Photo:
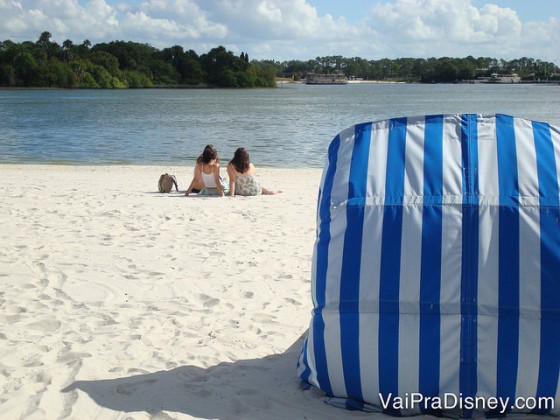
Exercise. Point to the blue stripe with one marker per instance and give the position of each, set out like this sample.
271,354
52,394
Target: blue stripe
351,260
549,362
323,242
305,361
430,268
391,261
305,348
508,278
469,259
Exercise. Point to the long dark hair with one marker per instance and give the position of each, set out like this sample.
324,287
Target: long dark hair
241,160
208,154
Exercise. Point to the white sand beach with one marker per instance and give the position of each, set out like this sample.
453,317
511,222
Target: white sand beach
119,302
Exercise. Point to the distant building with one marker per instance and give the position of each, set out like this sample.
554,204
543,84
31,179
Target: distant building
326,79
498,78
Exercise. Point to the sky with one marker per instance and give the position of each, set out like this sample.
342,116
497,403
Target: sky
284,30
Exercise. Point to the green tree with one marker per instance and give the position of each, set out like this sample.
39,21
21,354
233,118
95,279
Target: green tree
26,69
221,65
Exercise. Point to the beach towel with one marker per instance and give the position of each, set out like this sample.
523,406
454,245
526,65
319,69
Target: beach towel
436,268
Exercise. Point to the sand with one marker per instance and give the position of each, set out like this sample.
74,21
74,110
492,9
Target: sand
118,302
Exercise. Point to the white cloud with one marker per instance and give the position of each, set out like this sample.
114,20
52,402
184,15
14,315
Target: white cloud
289,29
456,28
64,19
448,20
166,23
277,20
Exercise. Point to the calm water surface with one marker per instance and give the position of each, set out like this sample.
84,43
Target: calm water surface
290,126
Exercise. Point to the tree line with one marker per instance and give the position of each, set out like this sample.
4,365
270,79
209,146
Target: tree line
121,64
430,70
126,64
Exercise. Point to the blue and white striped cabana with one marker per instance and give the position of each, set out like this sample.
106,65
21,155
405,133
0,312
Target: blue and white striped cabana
436,269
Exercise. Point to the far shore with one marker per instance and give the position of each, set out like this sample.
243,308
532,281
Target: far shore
283,81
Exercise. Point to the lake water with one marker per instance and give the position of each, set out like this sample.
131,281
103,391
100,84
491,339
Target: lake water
290,126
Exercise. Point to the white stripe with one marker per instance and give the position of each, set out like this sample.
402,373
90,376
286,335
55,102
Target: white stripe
414,161
411,250
452,164
340,187
338,225
488,258
450,294
555,135
409,298
370,266
314,274
377,165
529,260
311,359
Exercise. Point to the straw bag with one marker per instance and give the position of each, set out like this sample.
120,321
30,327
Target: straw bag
166,182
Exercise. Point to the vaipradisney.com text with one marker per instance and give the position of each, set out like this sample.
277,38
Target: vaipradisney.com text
451,401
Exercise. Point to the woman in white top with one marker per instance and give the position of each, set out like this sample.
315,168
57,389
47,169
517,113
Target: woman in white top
207,173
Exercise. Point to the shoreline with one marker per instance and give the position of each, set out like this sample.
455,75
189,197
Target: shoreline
187,166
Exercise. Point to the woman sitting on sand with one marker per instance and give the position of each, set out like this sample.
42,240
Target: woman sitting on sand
242,179
207,174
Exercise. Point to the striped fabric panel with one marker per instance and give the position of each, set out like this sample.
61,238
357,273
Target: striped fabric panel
508,282
436,260
529,268
370,263
469,263
314,349
488,258
389,282
430,265
410,266
548,169
451,258
333,278
555,137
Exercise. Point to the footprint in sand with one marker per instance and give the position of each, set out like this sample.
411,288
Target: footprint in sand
45,325
43,378
292,301
211,302
73,357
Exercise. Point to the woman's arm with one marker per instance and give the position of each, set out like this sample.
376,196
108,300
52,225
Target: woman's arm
196,178
217,180
231,175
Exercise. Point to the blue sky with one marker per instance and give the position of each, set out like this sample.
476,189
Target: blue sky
301,29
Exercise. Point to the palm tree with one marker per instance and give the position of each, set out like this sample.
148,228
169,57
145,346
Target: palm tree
67,47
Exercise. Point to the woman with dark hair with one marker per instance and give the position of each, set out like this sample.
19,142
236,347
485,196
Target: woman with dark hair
242,179
207,174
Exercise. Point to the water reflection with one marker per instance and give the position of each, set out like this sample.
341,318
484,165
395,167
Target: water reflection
289,126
